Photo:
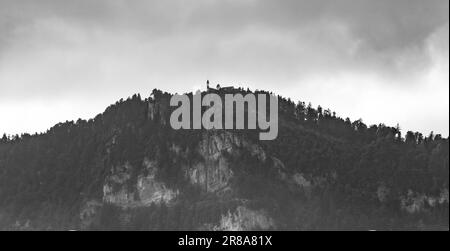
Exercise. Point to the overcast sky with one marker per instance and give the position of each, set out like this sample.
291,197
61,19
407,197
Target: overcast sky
385,61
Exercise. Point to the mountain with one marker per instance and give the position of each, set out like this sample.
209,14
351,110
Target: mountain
127,169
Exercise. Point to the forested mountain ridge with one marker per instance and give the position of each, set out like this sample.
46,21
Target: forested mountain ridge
127,169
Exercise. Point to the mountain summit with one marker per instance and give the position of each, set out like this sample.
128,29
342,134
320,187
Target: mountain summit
127,169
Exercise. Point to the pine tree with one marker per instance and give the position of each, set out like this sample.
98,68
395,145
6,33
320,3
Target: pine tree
4,139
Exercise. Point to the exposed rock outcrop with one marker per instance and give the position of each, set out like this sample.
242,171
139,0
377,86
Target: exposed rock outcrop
117,189
415,202
213,173
158,110
244,219
88,214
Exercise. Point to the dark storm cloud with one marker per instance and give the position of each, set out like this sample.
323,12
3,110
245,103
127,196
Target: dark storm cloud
382,29
382,24
383,36
58,50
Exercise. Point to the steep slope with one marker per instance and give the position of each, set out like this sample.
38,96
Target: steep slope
127,169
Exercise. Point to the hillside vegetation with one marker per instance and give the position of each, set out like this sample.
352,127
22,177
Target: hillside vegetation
126,169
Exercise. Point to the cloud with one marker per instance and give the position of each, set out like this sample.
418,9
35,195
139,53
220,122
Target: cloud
382,24
59,50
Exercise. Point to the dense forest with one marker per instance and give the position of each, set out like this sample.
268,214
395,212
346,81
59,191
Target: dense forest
353,176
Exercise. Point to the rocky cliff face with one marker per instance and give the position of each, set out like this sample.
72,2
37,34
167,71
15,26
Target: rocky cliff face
212,174
144,191
414,202
244,219
127,169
